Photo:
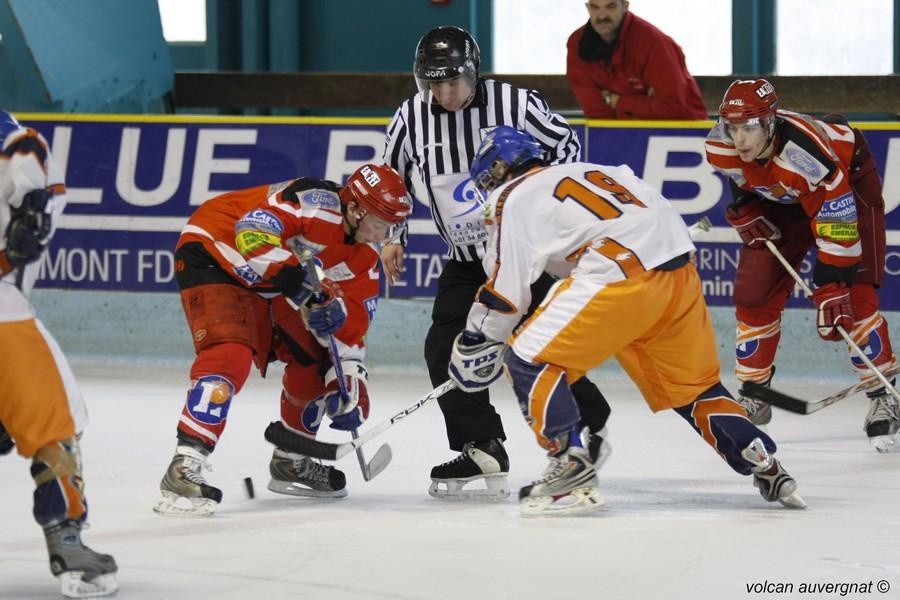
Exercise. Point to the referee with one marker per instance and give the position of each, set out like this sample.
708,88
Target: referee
437,132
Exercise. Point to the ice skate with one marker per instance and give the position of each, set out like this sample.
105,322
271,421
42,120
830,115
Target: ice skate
569,486
486,460
598,446
769,476
184,490
82,573
298,475
759,413
883,421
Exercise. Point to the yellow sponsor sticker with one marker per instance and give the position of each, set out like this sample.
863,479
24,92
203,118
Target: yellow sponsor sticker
839,232
248,241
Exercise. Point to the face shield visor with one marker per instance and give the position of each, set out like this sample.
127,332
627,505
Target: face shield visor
371,228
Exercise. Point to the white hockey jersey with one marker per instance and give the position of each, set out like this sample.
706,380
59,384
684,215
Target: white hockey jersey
579,220
25,165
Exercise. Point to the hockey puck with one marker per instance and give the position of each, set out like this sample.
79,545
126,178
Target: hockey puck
248,487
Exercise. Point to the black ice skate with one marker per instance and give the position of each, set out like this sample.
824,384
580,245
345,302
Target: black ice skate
759,413
82,573
597,444
883,421
569,486
298,475
184,490
485,460
769,476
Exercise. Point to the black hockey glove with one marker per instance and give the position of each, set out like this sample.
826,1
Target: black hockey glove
6,443
29,229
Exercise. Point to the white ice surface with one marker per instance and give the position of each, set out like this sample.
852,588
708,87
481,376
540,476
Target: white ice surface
678,522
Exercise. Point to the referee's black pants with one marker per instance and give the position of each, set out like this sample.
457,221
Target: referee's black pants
470,417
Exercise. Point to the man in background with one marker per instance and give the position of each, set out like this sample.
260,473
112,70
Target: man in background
622,67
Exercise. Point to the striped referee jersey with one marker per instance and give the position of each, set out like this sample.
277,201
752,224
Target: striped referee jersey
441,145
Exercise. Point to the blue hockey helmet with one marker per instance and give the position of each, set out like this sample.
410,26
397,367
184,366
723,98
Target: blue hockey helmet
502,151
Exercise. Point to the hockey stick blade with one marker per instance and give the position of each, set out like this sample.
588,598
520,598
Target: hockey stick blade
278,434
763,393
379,462
804,407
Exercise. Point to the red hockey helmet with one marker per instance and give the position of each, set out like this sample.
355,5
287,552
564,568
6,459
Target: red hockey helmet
380,191
748,99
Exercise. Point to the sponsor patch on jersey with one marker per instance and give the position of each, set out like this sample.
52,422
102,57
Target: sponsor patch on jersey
260,220
339,272
246,273
371,305
299,245
465,194
841,210
804,162
248,241
320,199
839,232
777,193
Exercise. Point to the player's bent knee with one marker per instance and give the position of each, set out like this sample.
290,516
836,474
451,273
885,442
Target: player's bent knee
58,495
209,399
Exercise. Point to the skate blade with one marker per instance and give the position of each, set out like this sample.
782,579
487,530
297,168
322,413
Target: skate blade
496,488
173,505
580,501
885,443
793,501
378,463
71,585
293,489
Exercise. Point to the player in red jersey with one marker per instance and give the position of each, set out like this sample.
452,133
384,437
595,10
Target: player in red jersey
250,297
803,182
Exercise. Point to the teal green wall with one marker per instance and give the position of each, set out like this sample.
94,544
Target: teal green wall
324,35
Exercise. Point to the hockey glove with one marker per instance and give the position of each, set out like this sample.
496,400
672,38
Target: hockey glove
29,229
750,222
476,361
327,312
834,308
6,443
347,414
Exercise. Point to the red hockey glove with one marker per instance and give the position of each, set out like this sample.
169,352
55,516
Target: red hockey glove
833,302
751,224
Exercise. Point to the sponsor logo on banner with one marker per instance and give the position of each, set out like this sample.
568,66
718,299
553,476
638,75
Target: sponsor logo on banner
131,185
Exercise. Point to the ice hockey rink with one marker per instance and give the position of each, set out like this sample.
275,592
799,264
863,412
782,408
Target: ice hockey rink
678,523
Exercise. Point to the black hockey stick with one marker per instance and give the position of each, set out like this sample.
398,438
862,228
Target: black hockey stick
757,391
278,434
843,333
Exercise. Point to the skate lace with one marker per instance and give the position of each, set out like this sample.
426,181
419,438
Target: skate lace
462,455
883,408
751,405
192,470
311,469
554,470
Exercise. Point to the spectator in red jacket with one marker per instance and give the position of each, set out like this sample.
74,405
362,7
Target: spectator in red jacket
622,67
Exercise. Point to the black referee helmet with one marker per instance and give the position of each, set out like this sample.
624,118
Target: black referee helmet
445,53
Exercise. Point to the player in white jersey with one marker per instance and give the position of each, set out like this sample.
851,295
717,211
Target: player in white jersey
627,289
41,410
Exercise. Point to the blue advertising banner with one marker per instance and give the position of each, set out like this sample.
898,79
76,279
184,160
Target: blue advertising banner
133,181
